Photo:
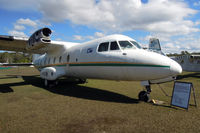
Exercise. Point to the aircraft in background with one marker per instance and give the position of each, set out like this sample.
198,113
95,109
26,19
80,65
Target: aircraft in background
189,62
114,57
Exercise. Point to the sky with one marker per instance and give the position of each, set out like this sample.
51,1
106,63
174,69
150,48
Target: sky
175,22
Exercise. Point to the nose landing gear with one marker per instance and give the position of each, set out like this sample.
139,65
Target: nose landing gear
49,83
145,95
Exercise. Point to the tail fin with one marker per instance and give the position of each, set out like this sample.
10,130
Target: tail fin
154,45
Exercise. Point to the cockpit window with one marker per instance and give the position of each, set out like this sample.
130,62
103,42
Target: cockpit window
126,45
114,46
136,44
103,47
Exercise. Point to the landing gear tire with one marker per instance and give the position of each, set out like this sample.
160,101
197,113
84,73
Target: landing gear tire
82,81
143,96
46,83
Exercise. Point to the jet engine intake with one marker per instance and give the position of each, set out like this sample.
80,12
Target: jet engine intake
39,39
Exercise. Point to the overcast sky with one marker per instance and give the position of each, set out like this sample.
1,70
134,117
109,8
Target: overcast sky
175,22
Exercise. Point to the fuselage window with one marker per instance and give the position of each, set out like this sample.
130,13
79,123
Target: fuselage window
68,58
49,60
54,60
125,45
60,59
136,44
103,47
114,46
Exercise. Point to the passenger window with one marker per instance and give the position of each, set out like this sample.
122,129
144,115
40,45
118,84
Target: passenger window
68,58
49,60
54,60
103,47
114,46
60,59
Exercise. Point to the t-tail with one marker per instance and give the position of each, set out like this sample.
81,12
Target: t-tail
154,45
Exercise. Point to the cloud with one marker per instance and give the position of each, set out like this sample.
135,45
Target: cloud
19,5
17,33
197,3
161,16
99,34
19,27
86,38
78,37
23,25
165,19
26,22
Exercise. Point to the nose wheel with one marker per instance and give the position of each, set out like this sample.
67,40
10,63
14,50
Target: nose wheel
145,95
49,83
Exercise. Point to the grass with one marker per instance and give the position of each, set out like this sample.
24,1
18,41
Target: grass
99,106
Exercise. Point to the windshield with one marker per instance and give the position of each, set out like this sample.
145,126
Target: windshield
136,44
126,45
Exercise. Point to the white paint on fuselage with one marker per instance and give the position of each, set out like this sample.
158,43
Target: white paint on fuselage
128,64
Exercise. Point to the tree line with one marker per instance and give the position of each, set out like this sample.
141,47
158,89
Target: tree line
18,57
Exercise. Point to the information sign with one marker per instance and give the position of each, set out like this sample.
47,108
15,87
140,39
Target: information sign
181,94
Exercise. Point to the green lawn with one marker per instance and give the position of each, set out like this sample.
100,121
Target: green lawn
99,106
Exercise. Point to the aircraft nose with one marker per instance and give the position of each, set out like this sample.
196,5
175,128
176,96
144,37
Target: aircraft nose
175,68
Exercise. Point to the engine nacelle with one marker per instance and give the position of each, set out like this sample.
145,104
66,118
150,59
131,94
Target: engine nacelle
39,39
51,73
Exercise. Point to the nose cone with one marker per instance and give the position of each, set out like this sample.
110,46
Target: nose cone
175,68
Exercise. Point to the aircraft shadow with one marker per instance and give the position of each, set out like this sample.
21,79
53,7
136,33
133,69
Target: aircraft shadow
75,90
5,89
8,77
194,75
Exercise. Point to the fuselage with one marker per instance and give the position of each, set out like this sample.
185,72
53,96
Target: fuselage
114,57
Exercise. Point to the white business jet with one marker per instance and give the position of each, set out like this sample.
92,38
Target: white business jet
114,57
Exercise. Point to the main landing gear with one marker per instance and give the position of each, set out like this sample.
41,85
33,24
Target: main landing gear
145,95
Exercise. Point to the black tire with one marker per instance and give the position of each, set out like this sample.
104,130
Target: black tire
143,96
82,81
46,83
49,83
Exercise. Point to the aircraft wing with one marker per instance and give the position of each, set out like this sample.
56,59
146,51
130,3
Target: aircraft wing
38,43
11,43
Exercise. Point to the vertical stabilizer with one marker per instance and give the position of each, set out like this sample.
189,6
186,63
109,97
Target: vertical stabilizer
154,45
